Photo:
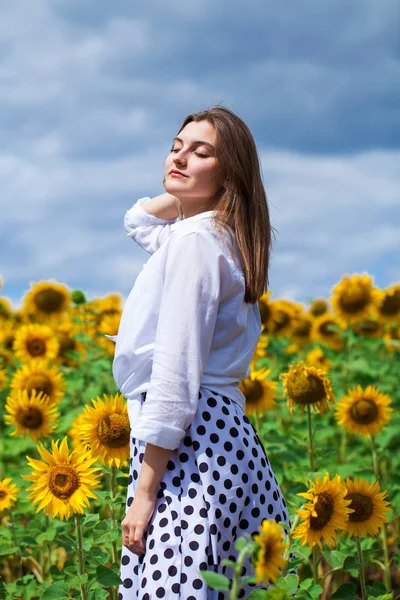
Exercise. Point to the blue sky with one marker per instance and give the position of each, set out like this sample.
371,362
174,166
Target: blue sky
92,93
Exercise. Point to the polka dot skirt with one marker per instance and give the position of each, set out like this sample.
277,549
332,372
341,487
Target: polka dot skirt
218,485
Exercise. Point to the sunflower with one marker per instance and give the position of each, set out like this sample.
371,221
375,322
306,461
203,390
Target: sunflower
305,386
364,411
75,432
33,342
37,375
301,330
282,319
108,325
260,350
62,481
368,505
7,358
316,358
326,329
318,307
65,331
267,311
7,335
369,328
8,493
106,428
355,297
389,304
47,300
260,392
3,379
31,414
269,552
391,338
110,305
326,511
6,308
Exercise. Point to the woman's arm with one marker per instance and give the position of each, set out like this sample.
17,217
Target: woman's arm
164,206
153,467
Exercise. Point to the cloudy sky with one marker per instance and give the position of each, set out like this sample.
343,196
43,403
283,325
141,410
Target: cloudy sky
92,93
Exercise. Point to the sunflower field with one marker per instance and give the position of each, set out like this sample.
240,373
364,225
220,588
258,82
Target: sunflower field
323,396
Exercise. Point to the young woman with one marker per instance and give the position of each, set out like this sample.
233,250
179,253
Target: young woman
199,475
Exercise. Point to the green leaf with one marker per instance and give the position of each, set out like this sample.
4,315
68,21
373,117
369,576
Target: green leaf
335,558
292,582
259,595
347,591
90,519
215,580
47,536
377,589
107,577
351,563
240,544
6,550
56,591
228,563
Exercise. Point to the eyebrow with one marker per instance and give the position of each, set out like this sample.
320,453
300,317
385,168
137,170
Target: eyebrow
197,143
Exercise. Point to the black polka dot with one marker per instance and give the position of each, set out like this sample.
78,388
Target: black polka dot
212,485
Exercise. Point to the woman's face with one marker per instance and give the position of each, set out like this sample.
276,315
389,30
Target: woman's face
193,154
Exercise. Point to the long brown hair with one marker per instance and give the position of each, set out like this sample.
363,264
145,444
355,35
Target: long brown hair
242,204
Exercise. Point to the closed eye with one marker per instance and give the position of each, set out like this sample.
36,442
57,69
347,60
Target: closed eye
198,153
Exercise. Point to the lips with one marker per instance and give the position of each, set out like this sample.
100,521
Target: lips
175,172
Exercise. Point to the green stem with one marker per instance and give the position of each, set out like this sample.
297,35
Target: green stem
257,420
114,550
361,570
375,460
113,492
49,547
315,557
387,577
343,446
235,581
81,557
15,542
289,544
310,439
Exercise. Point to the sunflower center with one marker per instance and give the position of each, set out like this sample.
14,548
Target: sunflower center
318,308
369,326
302,329
40,383
31,417
364,411
328,328
36,347
354,299
306,389
281,320
267,552
2,494
324,510
391,304
253,392
49,300
63,481
113,430
9,342
362,506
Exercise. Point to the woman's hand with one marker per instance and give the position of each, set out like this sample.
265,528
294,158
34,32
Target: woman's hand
136,521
